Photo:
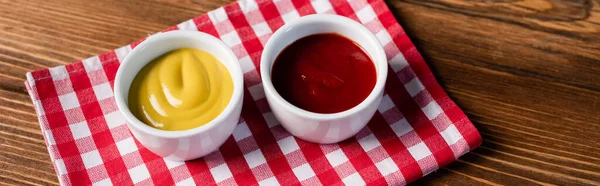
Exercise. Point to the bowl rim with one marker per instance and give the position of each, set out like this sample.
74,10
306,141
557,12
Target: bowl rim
234,69
379,59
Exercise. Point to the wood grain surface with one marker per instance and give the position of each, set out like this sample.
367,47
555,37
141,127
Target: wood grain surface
526,72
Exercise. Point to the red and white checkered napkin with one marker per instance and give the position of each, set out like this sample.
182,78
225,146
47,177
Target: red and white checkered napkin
417,129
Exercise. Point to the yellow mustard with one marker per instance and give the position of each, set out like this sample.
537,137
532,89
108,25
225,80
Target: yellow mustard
182,89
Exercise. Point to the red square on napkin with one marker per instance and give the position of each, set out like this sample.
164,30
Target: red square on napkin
416,130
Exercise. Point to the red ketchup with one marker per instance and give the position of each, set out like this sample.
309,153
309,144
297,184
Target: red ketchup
324,73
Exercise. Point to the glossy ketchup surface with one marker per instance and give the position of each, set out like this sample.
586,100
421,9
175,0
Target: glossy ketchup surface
324,73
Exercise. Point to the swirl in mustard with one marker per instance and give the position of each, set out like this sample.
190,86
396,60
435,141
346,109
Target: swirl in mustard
180,90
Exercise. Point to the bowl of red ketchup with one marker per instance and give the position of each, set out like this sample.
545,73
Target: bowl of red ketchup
323,77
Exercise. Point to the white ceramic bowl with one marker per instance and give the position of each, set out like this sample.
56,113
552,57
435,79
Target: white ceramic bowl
186,144
316,127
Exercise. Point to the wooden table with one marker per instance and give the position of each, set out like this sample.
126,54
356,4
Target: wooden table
526,72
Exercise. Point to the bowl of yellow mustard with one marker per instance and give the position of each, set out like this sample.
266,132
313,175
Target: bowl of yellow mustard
181,93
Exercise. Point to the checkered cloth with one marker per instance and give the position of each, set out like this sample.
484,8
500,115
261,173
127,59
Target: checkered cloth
416,130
